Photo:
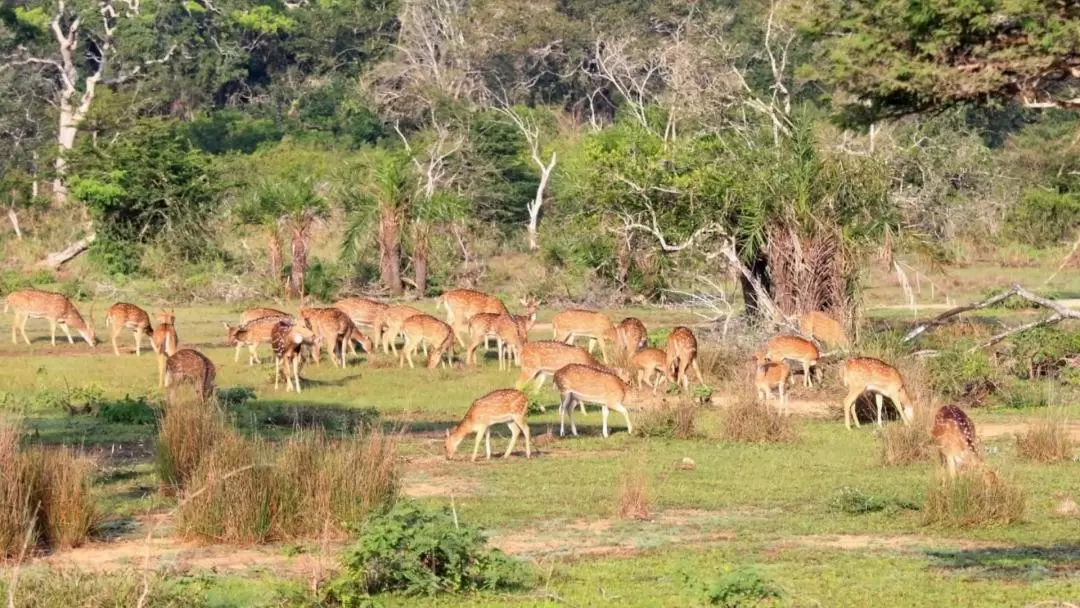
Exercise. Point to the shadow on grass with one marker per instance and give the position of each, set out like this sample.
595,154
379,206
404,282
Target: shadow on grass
1011,563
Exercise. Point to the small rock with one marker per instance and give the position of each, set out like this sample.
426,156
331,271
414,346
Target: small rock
687,464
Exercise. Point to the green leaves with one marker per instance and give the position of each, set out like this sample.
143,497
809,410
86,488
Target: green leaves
264,20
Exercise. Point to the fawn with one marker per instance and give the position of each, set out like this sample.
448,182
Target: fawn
507,406
798,349
650,364
769,375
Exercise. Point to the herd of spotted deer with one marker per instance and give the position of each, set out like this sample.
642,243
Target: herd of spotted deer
577,375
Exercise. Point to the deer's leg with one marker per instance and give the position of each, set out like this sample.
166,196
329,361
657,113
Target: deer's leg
567,400
296,372
487,441
806,373
524,426
783,399
277,371
476,446
604,417
514,430
849,408
619,407
603,349
67,332
878,399
113,333
697,370
138,343
253,354
573,427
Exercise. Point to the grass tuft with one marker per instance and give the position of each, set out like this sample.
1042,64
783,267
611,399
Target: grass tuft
903,444
634,491
188,430
973,498
748,421
1046,441
678,421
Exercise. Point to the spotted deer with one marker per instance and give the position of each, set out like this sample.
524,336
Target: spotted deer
864,374
544,357
580,383
288,339
631,335
681,351
570,324
252,334
524,321
650,364
164,339
769,375
388,325
954,434
121,316
254,314
822,327
191,367
426,328
794,348
507,406
510,332
333,327
463,304
56,308
362,311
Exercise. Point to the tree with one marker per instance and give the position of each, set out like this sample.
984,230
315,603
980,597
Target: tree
530,130
383,199
289,205
898,58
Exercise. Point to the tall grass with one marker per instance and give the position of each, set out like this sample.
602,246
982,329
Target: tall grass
976,497
1046,441
749,421
44,493
903,444
188,430
634,491
254,491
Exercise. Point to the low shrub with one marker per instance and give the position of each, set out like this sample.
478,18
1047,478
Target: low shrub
975,497
234,397
634,492
127,411
741,587
45,492
1046,441
678,421
958,375
854,501
252,491
903,444
420,551
749,421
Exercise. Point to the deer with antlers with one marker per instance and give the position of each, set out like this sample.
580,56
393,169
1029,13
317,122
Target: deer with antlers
501,406
56,308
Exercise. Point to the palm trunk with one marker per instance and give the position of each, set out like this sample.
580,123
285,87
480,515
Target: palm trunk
273,252
420,253
299,262
390,250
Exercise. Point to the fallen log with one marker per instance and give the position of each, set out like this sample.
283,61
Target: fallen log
56,259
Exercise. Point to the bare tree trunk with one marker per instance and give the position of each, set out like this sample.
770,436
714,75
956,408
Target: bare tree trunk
299,262
421,250
14,222
55,260
538,202
390,250
273,251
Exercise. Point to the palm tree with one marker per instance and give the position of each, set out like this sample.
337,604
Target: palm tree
383,200
287,206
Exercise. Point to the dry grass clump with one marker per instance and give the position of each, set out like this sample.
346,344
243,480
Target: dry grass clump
674,421
252,491
903,444
976,497
1046,441
750,421
44,493
188,430
634,491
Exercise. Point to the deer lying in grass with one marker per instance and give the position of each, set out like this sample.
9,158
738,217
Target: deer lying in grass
56,308
507,406
769,375
681,352
631,335
821,326
954,434
796,349
164,340
388,326
191,367
463,304
288,340
581,383
650,364
426,328
121,316
570,324
252,334
864,374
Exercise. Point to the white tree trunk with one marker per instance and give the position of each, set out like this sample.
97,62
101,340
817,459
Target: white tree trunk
538,202
14,222
56,259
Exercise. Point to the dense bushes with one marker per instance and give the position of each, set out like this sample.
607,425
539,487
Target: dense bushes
1043,217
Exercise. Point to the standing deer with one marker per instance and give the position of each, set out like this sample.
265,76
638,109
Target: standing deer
820,326
581,383
388,325
650,364
797,349
507,406
954,434
426,328
288,339
631,335
164,340
545,357
121,316
333,328
362,311
192,367
570,324
681,353
864,374
463,304
769,375
54,307
251,334
250,315
509,334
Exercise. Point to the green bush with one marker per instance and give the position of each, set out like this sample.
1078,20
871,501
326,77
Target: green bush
323,281
1044,217
420,551
234,396
959,375
1042,350
742,587
128,411
854,501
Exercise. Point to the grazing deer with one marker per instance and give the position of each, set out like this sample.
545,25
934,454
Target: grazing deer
164,340
631,335
650,364
463,304
54,307
820,326
288,339
500,406
681,353
954,434
358,336
581,383
795,348
426,328
333,328
544,357
252,334
362,311
188,366
251,314
575,322
864,374
507,331
769,375
121,316
388,325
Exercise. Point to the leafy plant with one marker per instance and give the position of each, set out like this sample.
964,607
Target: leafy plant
128,411
854,501
740,587
233,397
421,551
961,375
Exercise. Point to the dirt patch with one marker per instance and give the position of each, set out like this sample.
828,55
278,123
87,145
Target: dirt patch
864,542
991,430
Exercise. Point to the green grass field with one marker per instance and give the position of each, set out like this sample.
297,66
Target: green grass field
771,507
